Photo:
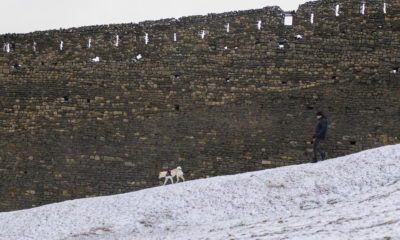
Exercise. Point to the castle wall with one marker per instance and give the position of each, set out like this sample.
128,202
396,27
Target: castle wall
214,102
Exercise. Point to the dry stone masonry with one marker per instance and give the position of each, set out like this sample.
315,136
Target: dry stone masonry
101,110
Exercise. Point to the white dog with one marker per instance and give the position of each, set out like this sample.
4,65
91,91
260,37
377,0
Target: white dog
174,172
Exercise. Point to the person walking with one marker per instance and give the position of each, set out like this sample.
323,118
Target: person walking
320,133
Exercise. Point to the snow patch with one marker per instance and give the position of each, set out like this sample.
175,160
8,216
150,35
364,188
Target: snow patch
202,34
384,8
95,59
337,10
116,40
146,38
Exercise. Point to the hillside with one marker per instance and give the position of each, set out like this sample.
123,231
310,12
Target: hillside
351,197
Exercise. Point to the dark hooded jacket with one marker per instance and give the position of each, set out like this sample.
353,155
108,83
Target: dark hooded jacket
322,126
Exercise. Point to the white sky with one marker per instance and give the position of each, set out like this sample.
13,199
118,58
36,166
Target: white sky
22,16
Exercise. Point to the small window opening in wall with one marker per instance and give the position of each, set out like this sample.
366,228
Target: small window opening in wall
25,172
34,46
227,80
202,34
174,37
259,25
333,77
312,18
176,76
61,45
89,45
353,142
146,38
288,19
64,99
384,8
116,40
7,47
88,100
227,27
284,82
42,63
176,107
337,10
362,9
310,107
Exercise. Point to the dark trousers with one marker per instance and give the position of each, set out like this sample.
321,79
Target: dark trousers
317,149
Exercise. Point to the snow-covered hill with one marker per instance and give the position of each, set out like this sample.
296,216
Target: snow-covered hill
352,197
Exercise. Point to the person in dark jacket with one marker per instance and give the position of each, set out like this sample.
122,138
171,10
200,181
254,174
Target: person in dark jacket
320,133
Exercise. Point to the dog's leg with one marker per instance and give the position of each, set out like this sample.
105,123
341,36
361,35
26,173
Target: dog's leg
168,178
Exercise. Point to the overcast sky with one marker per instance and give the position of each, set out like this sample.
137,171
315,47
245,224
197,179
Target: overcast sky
22,16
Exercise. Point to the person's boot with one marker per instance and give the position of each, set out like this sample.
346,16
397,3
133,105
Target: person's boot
323,155
314,160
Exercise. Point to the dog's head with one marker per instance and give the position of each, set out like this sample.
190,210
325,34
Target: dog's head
160,175
179,168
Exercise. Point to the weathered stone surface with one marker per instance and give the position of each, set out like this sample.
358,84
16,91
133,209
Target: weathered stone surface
232,102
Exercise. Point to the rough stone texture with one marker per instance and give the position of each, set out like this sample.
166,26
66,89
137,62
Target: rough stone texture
228,103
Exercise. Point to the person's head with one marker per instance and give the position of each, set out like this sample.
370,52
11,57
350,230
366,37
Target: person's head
319,115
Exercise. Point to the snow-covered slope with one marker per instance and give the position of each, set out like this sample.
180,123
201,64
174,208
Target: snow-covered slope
352,197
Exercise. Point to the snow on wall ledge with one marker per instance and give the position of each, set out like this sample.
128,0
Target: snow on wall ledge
101,110
351,197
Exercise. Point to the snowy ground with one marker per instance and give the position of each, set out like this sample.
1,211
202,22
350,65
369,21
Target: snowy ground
352,197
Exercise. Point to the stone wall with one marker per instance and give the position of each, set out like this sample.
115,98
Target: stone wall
192,94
